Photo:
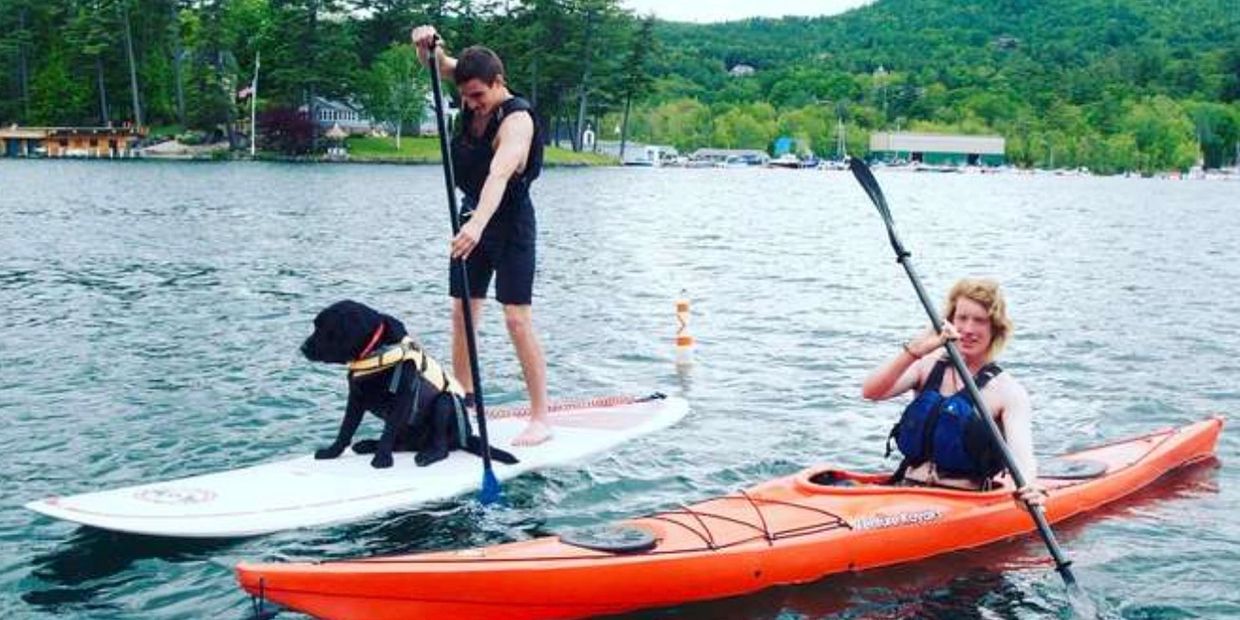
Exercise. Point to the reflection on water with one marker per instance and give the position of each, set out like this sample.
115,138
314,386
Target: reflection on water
79,575
152,314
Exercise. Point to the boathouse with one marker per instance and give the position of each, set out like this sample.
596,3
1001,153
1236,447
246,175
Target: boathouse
21,141
95,142
937,149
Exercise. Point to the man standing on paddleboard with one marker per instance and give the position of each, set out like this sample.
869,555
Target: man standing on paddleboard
497,154
939,433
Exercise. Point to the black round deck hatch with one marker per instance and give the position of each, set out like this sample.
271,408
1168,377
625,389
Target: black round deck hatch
1071,469
611,538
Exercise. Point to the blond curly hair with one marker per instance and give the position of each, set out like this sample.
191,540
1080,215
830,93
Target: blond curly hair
987,293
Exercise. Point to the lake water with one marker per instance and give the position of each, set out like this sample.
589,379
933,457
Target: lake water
151,314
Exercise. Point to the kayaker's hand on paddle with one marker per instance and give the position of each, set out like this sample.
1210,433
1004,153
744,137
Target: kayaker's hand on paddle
466,240
1032,495
930,342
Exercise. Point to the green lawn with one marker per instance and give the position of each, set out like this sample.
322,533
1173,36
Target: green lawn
565,157
413,150
426,150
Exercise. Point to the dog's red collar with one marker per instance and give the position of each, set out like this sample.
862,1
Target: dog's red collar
374,339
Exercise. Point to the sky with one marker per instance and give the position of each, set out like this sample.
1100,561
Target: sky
703,11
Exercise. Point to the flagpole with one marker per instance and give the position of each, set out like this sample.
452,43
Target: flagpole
254,104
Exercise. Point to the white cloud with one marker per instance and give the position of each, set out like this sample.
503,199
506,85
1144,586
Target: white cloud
704,11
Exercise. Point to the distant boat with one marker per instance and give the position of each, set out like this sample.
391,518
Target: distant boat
920,167
742,161
787,160
648,163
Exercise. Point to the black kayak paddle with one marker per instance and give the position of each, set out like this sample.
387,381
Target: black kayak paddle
1062,563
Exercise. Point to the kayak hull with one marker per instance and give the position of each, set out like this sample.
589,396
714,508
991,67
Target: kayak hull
790,530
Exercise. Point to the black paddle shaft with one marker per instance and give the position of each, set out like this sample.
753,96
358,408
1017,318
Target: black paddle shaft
870,185
449,179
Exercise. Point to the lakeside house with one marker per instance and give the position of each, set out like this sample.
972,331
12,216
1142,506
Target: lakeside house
354,120
350,118
937,149
92,142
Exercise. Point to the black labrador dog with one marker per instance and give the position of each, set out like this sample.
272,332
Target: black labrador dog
419,414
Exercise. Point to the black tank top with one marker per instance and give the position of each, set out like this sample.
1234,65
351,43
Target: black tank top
472,157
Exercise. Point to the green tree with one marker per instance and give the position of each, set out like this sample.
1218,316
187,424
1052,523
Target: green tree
684,123
1217,130
811,126
748,127
56,96
314,54
394,90
389,23
1163,134
90,32
635,79
17,35
123,9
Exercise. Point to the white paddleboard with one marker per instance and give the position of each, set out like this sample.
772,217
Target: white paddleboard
303,492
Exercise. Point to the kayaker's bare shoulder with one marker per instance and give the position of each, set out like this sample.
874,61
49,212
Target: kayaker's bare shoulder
1008,388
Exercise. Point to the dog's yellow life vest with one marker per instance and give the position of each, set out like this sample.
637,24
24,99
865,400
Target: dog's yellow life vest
407,350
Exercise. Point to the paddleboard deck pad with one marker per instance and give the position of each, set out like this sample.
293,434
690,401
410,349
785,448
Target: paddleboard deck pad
304,492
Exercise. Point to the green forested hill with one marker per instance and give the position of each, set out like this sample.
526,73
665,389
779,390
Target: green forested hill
1105,83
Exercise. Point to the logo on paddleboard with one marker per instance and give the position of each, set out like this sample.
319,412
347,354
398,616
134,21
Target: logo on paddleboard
175,495
896,520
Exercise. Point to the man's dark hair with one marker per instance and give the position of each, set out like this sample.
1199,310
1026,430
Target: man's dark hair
480,63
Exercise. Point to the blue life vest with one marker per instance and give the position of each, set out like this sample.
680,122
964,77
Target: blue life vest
946,431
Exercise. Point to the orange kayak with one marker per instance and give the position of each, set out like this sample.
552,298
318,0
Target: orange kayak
789,530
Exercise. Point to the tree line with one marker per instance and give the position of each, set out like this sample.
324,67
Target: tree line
1113,86
183,63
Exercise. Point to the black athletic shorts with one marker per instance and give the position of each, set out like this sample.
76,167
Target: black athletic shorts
507,251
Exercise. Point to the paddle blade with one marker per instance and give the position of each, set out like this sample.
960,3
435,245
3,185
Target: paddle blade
490,491
868,183
264,611
1082,606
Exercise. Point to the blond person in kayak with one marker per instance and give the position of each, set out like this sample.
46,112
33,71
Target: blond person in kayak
976,318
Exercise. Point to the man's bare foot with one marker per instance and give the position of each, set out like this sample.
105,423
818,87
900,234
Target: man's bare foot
535,433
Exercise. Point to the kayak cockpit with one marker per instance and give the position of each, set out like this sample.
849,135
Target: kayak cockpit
841,481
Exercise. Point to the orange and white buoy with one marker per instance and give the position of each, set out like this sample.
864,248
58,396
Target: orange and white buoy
684,342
